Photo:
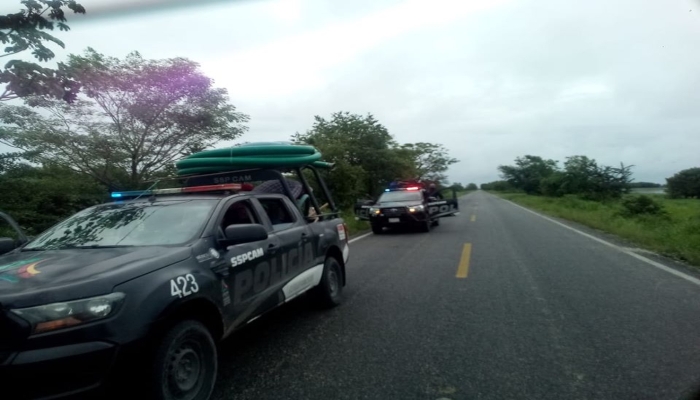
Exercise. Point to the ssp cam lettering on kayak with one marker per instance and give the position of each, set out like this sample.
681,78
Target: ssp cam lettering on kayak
232,179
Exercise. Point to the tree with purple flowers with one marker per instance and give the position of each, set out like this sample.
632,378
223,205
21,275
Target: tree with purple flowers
133,118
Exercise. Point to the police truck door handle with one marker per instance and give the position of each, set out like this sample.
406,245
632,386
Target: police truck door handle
304,237
272,248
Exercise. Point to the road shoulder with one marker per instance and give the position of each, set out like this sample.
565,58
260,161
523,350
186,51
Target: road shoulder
618,242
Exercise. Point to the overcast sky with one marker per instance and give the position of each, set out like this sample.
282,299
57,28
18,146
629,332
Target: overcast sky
491,80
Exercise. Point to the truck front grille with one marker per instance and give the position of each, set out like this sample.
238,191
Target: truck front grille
394,211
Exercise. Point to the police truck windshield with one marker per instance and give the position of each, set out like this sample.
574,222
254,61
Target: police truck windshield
128,224
401,196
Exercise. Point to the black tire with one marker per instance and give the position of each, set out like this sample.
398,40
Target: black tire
185,363
329,291
436,222
377,229
425,226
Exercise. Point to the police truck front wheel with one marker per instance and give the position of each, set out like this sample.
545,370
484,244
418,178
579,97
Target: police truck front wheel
185,363
329,291
377,229
425,225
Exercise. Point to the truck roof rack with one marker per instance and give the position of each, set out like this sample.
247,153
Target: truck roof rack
229,169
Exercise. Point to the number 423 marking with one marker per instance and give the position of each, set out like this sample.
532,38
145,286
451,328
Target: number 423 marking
183,286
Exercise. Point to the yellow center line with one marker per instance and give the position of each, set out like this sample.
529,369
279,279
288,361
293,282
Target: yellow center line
463,269
473,217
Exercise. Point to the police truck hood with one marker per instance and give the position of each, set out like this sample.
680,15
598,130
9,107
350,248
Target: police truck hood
406,203
30,278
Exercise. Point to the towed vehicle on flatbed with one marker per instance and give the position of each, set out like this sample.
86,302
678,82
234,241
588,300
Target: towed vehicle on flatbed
408,205
150,283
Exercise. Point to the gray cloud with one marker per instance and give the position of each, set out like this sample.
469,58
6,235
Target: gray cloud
616,81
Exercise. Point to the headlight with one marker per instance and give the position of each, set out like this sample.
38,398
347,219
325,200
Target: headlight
374,211
416,208
55,316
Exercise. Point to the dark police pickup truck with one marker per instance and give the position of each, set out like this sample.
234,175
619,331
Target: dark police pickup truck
407,206
163,274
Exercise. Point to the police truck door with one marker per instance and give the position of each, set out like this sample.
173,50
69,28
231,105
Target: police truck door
446,206
249,265
297,252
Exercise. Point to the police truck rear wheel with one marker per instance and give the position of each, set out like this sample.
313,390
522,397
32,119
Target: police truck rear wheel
185,363
329,291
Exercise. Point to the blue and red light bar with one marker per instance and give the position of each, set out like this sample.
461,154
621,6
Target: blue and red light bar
403,188
192,189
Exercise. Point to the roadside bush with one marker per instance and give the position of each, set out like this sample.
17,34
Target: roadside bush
685,183
553,185
498,186
641,205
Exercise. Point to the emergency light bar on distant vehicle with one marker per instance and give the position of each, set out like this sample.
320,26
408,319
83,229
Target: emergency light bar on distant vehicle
399,189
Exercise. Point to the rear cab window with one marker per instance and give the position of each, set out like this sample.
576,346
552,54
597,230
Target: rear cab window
278,212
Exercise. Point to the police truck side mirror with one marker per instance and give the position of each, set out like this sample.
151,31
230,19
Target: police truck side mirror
243,233
7,244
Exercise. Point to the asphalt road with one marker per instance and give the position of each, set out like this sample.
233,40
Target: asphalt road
543,313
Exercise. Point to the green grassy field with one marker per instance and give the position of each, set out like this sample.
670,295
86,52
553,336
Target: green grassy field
677,235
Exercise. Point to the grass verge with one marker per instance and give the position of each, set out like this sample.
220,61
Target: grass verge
355,227
676,235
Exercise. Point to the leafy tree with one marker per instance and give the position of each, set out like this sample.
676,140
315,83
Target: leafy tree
27,30
583,176
472,186
457,186
553,185
39,197
431,160
9,160
685,183
580,174
498,186
528,172
366,155
136,117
